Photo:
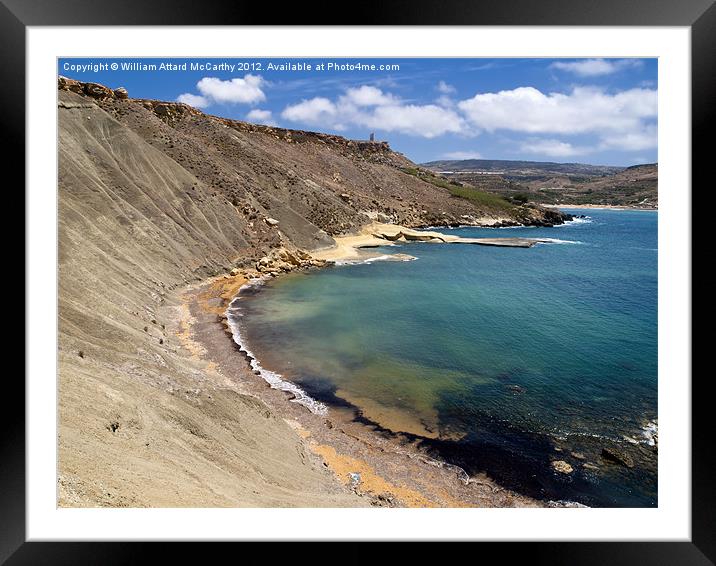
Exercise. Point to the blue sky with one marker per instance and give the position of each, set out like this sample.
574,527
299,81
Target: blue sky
600,111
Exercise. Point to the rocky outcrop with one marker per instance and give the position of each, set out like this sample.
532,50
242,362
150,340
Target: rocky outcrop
92,90
71,85
418,237
121,93
393,233
283,261
170,112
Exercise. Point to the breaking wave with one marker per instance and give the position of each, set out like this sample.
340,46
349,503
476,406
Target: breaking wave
650,433
575,220
558,241
384,257
275,380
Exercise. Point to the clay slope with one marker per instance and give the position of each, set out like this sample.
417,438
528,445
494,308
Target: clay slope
143,421
154,197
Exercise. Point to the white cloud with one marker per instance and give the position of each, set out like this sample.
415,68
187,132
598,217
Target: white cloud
552,148
245,90
445,101
372,108
259,116
316,111
462,155
193,100
618,121
483,67
584,110
427,121
368,96
445,88
647,138
596,67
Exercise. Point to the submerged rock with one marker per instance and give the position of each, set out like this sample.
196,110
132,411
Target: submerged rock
562,467
617,457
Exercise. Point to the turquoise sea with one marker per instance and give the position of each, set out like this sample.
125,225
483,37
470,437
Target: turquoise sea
499,360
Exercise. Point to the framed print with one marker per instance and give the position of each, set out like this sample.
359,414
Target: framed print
422,276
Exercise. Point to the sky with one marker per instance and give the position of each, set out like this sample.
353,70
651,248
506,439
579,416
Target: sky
598,111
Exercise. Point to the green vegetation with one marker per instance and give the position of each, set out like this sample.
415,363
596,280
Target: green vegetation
520,198
414,171
481,199
431,178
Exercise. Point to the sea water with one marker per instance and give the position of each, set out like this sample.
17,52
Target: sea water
498,360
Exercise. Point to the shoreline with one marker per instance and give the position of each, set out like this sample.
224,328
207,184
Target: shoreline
275,380
392,468
600,207
364,456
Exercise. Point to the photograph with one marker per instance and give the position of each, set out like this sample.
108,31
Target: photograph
357,282
418,276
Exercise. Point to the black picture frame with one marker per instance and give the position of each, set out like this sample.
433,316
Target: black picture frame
699,15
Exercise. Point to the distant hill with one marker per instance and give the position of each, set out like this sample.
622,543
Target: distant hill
557,183
521,169
634,186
